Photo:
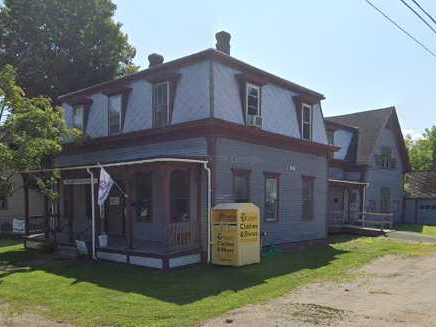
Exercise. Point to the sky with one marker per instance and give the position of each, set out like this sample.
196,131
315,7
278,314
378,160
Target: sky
343,49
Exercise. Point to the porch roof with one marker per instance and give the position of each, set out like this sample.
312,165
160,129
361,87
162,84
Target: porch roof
195,148
345,181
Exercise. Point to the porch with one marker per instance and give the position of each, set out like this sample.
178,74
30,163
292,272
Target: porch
152,216
346,209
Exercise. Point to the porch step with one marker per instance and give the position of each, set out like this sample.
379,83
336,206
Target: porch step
66,250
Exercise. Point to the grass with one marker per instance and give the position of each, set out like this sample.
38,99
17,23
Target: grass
423,229
109,294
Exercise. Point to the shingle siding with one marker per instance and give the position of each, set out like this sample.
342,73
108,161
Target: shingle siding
342,139
139,114
260,159
192,94
227,103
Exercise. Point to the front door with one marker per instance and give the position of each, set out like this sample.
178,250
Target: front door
354,207
115,218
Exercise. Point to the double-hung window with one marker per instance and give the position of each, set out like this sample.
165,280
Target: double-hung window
144,197
385,199
3,202
252,103
78,117
306,122
161,104
308,198
180,195
115,114
386,157
241,185
271,206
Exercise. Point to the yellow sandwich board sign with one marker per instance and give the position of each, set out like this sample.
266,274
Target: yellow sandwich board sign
235,234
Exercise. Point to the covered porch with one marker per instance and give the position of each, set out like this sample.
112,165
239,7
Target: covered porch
346,200
155,214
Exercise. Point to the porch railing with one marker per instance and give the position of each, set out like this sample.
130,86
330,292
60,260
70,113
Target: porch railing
183,235
364,219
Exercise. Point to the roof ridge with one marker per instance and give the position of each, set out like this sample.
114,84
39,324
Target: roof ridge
363,112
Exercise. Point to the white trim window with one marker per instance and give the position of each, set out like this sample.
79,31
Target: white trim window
78,117
306,122
252,101
161,104
115,114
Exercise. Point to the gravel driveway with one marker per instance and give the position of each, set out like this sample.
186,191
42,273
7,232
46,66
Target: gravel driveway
396,291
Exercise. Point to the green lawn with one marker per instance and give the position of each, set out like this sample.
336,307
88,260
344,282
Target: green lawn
423,229
106,294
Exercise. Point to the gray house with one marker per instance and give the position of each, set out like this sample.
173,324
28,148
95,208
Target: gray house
13,206
180,137
368,169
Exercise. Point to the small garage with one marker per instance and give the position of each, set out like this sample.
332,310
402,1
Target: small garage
420,198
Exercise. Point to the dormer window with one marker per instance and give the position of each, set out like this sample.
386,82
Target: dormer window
252,104
115,114
78,121
161,104
306,122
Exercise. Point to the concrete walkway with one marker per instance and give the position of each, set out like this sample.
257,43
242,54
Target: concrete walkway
411,236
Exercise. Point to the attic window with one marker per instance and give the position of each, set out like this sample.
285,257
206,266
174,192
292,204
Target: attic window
115,114
160,102
252,101
78,116
306,122
385,159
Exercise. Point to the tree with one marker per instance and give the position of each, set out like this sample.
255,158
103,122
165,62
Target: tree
58,46
31,130
422,152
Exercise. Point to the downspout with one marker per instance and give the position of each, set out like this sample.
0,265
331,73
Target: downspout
91,174
209,208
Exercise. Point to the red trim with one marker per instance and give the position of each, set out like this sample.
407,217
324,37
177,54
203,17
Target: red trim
202,128
276,176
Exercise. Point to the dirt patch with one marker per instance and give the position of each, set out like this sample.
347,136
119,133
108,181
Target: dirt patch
395,291
9,319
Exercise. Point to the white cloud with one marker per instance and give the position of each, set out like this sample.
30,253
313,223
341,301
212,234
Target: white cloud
414,134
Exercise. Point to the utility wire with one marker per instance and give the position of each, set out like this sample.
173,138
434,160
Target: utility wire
424,11
401,29
419,16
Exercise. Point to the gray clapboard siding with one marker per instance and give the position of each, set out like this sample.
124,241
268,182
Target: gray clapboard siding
260,159
336,173
15,202
391,178
195,147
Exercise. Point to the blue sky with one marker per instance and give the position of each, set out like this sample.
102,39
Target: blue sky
341,48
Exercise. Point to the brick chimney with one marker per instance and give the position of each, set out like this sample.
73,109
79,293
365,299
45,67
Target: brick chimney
155,59
223,42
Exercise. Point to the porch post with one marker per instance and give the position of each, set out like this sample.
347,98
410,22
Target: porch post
26,204
128,209
46,218
166,205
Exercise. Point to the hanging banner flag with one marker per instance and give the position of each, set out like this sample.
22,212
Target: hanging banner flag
104,186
